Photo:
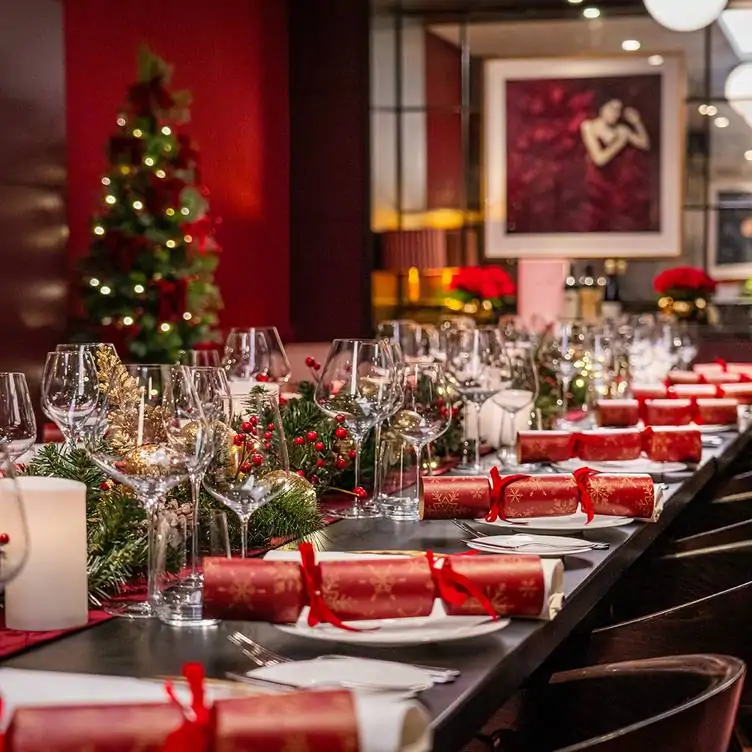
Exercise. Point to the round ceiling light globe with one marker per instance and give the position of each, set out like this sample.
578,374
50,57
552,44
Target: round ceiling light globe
685,15
738,89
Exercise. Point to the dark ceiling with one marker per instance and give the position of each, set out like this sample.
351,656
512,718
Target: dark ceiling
510,8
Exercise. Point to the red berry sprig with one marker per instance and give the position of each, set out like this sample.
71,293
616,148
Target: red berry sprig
340,432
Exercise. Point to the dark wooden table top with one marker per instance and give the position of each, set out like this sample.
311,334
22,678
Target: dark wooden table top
492,667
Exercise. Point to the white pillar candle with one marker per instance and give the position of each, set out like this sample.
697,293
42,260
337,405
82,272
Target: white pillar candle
51,591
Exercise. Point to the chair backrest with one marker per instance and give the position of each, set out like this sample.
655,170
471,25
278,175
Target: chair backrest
738,532
708,514
676,579
683,703
695,602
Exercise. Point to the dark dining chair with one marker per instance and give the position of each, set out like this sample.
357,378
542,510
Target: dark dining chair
738,532
710,513
685,703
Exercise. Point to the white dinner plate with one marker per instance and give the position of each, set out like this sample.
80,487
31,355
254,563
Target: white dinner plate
328,672
547,546
438,627
570,522
638,466
713,428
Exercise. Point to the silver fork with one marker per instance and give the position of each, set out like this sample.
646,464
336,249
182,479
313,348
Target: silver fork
262,656
466,528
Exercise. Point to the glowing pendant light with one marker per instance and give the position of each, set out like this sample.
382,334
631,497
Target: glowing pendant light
739,90
685,15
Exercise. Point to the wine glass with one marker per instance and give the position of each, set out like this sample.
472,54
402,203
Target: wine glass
14,534
199,358
250,465
279,370
357,383
567,347
388,409
425,414
418,342
70,391
213,392
520,393
151,435
92,347
18,427
474,363
246,355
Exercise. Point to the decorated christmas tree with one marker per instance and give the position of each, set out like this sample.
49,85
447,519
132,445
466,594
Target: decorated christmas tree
148,279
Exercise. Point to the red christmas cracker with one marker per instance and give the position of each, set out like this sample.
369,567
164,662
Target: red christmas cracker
618,413
669,412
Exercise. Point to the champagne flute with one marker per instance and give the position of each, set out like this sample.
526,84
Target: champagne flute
357,382
151,435
474,363
70,391
520,393
425,414
251,451
18,427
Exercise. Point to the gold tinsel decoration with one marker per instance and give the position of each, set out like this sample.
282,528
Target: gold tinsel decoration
127,412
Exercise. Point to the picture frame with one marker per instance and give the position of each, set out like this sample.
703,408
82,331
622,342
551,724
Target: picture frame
585,162
730,230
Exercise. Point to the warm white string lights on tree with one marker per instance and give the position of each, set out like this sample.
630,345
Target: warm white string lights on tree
685,15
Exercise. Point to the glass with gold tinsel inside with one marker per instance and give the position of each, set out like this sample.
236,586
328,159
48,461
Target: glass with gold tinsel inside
150,434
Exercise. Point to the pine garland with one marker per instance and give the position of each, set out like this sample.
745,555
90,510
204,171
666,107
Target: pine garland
116,523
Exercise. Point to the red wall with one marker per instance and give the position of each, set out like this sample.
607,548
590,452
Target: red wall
233,56
443,123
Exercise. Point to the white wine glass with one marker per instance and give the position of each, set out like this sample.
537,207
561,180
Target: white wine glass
199,358
357,383
213,392
423,416
149,434
474,363
519,393
246,355
70,391
249,466
18,427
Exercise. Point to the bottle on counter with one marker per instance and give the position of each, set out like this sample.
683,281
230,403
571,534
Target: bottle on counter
590,296
611,307
571,308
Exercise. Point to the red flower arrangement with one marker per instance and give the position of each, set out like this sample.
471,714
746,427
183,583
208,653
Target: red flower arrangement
684,282
490,283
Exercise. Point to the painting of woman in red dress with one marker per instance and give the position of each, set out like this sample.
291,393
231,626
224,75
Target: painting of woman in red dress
584,155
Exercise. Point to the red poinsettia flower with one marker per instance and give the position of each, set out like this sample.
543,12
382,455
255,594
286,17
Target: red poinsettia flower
483,282
684,278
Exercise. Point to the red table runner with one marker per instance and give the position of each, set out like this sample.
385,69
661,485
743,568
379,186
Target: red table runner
14,641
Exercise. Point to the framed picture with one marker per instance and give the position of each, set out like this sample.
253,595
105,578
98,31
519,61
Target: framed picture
730,230
584,157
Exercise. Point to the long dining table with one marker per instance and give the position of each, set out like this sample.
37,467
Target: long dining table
492,667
